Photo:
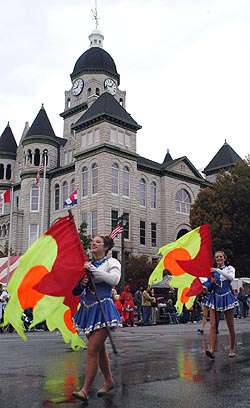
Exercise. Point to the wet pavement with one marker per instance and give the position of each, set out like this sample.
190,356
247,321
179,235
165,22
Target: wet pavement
157,367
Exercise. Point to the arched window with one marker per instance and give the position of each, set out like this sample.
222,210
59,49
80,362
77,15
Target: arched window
97,91
85,176
89,91
72,186
65,192
153,195
68,103
182,201
4,231
57,197
121,101
34,198
8,172
8,230
142,192
94,174
0,230
1,171
115,178
37,157
125,182
29,156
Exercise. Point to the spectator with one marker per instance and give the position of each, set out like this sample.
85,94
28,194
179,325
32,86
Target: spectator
153,314
3,302
128,307
242,299
146,306
138,303
172,312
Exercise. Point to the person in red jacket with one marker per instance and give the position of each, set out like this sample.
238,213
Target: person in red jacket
128,307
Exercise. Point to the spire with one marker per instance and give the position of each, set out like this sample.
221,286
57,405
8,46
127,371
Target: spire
7,141
168,158
41,126
25,131
96,37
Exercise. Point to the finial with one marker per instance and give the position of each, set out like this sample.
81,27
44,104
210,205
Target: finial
225,141
167,150
95,15
42,107
8,124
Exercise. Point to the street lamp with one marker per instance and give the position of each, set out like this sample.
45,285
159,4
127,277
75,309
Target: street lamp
123,221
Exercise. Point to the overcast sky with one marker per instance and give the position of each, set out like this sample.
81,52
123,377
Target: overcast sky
185,65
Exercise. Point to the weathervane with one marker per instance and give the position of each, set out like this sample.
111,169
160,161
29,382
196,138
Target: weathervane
95,15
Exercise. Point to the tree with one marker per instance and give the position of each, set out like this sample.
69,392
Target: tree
225,206
85,239
137,270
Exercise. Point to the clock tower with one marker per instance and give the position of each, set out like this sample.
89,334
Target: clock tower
94,73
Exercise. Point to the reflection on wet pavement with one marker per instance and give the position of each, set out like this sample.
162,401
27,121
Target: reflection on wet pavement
152,369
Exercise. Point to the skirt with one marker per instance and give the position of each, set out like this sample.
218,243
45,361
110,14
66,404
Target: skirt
89,316
221,302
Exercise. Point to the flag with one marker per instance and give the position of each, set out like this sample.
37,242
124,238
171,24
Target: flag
44,278
187,259
5,196
116,231
71,200
38,175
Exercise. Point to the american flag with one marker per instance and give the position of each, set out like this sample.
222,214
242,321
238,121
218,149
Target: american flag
38,175
116,231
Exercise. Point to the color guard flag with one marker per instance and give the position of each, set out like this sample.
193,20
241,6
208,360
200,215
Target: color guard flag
71,200
5,196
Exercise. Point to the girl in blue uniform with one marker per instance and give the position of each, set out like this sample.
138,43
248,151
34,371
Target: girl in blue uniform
221,299
106,273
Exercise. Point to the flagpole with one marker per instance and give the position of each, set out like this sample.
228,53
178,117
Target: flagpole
45,156
10,232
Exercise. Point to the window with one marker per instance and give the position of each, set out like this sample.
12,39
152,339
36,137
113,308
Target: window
89,91
142,233
93,223
45,157
97,91
4,230
142,192
29,156
65,192
37,157
85,181
57,197
1,171
114,219
121,101
182,202
153,234
34,198
68,103
1,207
115,254
17,203
125,181
94,178
126,227
72,186
8,172
33,232
153,195
115,178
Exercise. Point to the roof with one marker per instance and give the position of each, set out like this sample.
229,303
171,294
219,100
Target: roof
41,129
167,159
225,157
106,107
8,143
95,59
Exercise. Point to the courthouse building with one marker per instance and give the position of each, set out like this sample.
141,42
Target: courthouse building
98,157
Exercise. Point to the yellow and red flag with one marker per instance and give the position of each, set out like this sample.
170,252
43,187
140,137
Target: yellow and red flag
44,279
187,259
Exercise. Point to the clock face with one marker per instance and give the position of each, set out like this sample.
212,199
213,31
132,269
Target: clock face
77,87
110,86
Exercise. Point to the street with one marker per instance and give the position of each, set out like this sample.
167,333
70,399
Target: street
158,366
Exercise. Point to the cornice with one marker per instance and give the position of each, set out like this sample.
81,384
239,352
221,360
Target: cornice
69,112
42,140
104,118
106,148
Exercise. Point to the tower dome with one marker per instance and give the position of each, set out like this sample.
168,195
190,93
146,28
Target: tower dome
96,59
